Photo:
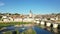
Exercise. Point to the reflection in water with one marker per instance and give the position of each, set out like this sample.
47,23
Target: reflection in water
54,31
41,31
42,26
14,32
20,29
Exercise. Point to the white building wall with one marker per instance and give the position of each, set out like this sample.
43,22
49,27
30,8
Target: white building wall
4,17
52,19
11,19
5,20
28,19
18,19
56,18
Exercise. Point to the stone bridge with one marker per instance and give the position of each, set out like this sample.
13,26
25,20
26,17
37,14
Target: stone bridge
48,23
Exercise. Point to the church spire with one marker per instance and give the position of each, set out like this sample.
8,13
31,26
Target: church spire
30,15
30,11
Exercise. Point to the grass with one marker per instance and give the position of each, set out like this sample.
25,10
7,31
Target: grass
13,23
5,24
30,31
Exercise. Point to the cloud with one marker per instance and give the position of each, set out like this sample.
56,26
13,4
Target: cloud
2,4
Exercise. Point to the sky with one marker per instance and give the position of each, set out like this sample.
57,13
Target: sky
24,6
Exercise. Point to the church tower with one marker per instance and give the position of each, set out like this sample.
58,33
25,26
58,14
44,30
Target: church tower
30,15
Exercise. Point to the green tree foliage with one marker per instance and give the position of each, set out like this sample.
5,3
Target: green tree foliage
16,14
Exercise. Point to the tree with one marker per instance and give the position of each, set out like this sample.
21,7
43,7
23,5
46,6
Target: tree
16,14
53,13
0,17
48,18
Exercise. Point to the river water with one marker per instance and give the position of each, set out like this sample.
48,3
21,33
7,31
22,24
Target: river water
38,30
50,29
41,31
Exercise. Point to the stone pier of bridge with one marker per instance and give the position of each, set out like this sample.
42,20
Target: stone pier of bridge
48,23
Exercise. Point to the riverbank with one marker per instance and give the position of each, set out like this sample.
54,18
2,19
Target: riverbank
13,23
4,24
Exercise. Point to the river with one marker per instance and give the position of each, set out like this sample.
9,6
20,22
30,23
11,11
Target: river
41,31
38,30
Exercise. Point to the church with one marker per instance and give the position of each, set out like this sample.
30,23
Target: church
29,18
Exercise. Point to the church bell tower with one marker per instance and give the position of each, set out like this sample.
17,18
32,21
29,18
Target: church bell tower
30,15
